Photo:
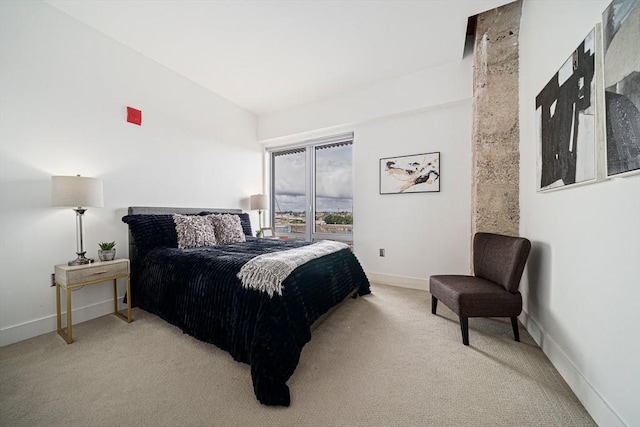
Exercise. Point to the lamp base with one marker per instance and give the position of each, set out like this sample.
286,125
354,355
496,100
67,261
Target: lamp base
81,260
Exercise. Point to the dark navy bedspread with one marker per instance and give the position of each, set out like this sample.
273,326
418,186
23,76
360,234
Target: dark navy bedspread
198,291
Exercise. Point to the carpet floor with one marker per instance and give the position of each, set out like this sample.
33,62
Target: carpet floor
379,360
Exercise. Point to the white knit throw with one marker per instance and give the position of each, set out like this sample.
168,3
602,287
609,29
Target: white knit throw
267,272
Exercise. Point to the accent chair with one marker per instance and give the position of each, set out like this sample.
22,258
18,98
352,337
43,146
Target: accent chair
498,263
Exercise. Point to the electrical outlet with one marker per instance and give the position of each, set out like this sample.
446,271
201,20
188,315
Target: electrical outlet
53,279
382,252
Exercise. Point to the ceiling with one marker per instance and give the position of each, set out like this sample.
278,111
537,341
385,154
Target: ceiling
271,55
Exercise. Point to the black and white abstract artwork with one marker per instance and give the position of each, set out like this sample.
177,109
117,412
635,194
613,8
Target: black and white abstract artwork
417,173
565,111
621,46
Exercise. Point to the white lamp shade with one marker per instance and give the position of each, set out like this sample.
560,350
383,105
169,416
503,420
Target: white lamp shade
258,202
76,191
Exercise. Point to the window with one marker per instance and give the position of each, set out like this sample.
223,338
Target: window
312,190
289,185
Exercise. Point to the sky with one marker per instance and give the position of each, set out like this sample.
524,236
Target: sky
334,180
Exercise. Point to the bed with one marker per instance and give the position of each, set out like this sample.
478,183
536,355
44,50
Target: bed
198,290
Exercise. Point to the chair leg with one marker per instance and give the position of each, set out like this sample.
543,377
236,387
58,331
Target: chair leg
464,327
514,325
434,304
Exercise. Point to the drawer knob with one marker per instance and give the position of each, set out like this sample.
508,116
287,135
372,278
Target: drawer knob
100,272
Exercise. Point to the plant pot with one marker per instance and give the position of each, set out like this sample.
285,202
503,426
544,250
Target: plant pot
107,255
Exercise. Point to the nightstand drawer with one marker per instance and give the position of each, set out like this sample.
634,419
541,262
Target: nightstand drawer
72,275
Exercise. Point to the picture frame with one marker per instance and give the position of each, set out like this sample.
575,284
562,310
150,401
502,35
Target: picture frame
620,33
415,173
268,233
566,114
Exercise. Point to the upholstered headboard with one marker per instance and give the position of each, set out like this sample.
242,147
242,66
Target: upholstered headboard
158,210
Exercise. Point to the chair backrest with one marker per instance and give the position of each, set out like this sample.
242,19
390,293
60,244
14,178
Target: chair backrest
500,258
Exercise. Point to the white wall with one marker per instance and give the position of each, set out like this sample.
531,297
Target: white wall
64,89
406,94
422,233
582,283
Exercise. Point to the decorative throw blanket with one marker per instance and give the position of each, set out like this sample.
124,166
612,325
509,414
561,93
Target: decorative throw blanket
267,272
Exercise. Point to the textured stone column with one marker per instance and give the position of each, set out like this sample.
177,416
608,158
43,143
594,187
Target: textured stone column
496,156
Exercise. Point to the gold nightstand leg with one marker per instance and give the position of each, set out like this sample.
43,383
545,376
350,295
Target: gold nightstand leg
69,322
126,318
129,299
115,296
58,309
67,336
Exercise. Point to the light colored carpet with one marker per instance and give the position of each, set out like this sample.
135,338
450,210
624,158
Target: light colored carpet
381,360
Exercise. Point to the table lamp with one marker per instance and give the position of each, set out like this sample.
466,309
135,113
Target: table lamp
77,192
258,202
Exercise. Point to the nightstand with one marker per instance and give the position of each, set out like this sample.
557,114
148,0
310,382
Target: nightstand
70,277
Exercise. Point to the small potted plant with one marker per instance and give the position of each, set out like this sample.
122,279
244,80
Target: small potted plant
259,234
107,251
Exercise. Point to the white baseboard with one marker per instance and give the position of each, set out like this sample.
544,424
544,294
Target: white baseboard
400,281
44,325
595,404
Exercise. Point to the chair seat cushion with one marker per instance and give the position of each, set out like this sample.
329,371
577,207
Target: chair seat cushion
470,296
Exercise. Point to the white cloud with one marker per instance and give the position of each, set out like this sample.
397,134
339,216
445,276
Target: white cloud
334,180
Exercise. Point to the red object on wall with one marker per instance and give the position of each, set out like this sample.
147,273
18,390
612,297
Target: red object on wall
134,116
